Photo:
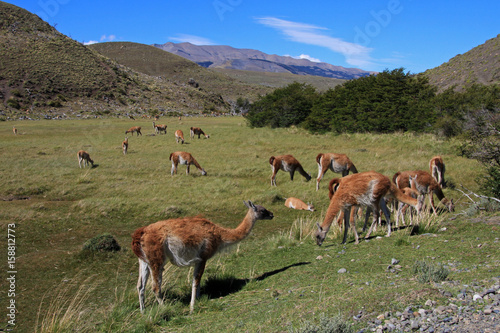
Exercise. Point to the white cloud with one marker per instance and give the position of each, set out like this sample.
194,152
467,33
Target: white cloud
196,40
103,39
308,57
90,42
355,54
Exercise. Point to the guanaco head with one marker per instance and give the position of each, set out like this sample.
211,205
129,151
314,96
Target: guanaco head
310,207
203,172
260,212
320,234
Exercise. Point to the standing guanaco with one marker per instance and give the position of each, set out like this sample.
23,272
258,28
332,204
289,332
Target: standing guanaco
179,136
366,189
136,129
287,163
338,163
14,130
197,131
125,146
188,241
181,157
85,157
437,168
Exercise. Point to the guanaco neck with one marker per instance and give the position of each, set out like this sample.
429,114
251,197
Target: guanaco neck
231,236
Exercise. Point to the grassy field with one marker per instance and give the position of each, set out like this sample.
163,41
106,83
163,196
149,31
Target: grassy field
276,280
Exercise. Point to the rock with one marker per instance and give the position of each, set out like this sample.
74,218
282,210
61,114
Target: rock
342,271
394,261
477,297
319,258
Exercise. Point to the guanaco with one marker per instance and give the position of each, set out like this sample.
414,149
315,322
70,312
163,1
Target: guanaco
295,203
366,189
437,168
159,128
338,163
179,136
181,157
425,185
188,241
287,163
136,129
85,157
14,130
197,131
125,146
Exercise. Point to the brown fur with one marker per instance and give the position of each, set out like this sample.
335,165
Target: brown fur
295,203
437,168
14,130
179,136
197,131
365,189
188,241
338,163
287,163
85,157
136,129
425,185
183,157
125,146
159,128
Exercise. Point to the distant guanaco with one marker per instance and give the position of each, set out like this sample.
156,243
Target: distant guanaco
159,128
14,130
125,146
338,163
287,163
197,131
179,136
437,167
136,129
85,157
295,203
181,157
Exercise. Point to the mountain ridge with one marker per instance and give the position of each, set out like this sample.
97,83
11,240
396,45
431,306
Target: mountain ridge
228,57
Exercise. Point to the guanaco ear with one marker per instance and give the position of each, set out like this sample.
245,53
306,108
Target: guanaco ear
249,204
319,227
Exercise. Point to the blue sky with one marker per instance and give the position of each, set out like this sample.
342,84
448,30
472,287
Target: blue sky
372,35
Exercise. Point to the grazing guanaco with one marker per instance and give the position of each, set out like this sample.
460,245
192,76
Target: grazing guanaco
14,130
125,146
287,163
402,207
85,157
338,163
425,185
159,128
188,241
136,129
197,131
366,189
179,136
437,167
295,203
181,157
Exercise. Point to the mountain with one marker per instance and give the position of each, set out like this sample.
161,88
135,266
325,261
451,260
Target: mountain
222,56
479,65
44,72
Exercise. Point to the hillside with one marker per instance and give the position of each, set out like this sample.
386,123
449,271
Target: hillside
479,65
176,70
44,73
223,56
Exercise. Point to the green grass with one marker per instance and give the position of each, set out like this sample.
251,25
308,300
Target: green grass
275,280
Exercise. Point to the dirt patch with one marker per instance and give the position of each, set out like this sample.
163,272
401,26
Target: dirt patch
487,220
15,197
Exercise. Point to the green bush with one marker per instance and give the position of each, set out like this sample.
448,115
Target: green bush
102,243
430,272
13,103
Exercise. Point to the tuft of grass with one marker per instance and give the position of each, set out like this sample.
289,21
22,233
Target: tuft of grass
102,243
430,272
335,324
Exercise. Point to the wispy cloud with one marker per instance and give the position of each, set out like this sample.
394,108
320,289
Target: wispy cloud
196,40
355,54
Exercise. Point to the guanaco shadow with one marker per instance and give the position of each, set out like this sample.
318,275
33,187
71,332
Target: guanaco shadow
221,287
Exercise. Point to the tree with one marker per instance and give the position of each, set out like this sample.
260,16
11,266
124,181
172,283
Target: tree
283,107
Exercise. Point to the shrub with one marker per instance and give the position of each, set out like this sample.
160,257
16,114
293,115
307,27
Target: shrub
430,272
13,103
102,243
334,324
